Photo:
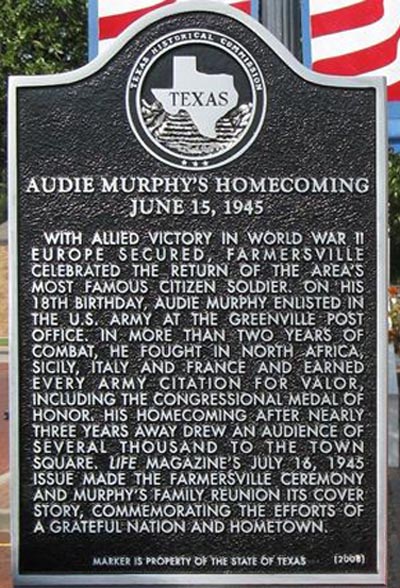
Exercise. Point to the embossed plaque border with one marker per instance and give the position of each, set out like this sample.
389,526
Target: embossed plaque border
96,579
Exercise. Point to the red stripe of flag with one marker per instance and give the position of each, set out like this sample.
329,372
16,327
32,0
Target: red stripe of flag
244,6
362,61
351,17
394,91
112,26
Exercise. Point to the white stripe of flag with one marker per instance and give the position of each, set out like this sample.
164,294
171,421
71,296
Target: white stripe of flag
353,37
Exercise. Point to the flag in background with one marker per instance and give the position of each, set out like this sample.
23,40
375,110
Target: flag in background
357,37
114,16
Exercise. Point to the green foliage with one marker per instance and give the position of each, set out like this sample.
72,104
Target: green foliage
3,202
37,37
394,216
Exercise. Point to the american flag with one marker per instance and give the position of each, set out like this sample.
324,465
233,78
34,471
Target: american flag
357,37
115,15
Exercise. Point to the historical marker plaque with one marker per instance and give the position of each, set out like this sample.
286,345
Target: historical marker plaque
199,314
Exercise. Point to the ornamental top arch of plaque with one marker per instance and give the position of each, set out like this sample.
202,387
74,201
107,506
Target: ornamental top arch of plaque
223,125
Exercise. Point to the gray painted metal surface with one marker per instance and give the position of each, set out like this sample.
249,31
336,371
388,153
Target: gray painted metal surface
283,19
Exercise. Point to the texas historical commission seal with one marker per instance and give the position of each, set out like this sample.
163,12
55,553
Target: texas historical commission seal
196,99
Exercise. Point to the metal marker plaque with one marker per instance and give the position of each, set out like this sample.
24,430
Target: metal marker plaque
198,314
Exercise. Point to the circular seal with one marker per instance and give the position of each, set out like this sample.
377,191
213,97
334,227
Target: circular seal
196,99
